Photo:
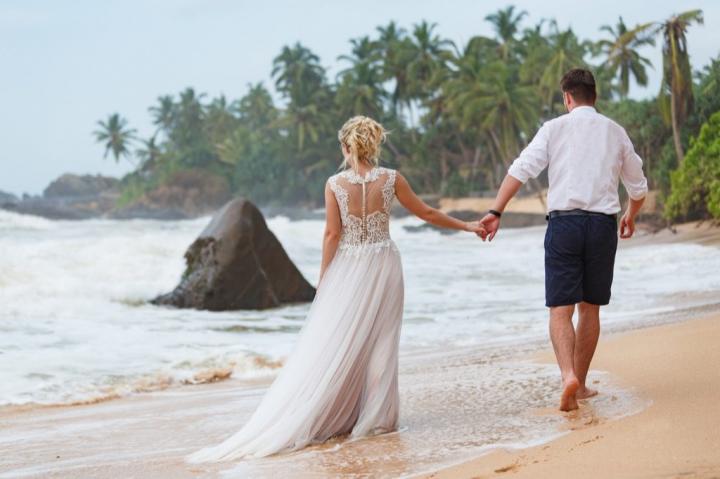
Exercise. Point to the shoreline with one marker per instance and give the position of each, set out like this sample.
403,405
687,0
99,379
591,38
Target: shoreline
672,365
147,434
113,436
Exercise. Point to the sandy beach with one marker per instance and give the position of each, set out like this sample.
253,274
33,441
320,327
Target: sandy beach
673,366
654,417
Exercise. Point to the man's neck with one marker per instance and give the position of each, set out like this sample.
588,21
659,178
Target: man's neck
580,105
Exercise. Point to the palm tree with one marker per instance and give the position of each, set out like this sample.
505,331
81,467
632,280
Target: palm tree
492,98
219,119
148,153
622,54
428,53
535,52
393,49
505,23
256,108
117,138
567,52
301,79
709,77
297,73
188,119
163,113
676,88
360,88
305,121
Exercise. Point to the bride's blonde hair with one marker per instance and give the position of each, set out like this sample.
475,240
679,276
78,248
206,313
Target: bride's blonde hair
363,137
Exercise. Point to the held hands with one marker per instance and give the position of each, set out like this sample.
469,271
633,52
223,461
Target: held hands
475,227
491,224
627,226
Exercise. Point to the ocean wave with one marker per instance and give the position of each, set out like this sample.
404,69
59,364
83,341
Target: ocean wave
244,367
16,221
76,326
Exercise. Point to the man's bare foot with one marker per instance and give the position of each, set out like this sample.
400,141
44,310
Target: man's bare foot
568,402
584,393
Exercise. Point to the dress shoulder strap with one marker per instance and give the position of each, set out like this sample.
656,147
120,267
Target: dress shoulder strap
341,195
389,189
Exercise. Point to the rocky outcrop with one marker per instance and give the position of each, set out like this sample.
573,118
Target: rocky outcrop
70,197
237,263
6,198
78,186
187,194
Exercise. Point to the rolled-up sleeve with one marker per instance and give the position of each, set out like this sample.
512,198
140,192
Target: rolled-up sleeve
533,159
631,174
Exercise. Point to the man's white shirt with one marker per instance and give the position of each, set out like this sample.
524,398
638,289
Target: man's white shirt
586,154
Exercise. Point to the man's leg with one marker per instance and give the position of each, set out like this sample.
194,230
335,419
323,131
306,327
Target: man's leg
586,339
600,249
562,335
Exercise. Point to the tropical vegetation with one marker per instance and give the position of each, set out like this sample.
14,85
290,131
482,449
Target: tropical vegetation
458,114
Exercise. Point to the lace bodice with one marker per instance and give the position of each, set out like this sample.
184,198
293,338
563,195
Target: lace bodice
364,205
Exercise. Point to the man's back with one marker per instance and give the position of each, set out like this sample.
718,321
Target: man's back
586,154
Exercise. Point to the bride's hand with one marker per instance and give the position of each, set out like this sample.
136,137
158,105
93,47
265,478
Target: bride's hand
475,227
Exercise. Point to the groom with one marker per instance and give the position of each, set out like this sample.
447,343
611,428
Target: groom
586,154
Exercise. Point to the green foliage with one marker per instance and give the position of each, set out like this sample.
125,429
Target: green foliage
623,58
116,136
696,183
458,114
644,124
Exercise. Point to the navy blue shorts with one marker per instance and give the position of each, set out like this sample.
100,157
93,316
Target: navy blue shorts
579,259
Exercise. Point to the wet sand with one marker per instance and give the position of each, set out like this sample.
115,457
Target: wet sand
677,368
456,408
455,405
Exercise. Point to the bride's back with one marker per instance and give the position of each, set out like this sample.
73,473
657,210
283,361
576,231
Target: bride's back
365,204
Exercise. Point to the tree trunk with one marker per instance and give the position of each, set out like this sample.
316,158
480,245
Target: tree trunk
394,149
495,168
676,131
444,169
475,163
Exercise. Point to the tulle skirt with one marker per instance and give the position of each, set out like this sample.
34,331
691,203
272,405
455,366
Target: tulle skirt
342,377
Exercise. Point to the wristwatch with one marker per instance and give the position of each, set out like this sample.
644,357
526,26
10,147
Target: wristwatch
495,213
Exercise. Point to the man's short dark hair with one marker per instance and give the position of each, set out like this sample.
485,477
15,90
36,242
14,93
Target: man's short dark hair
580,83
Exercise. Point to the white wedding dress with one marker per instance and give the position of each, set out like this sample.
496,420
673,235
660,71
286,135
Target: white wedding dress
342,377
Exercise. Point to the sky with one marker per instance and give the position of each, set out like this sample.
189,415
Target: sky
66,65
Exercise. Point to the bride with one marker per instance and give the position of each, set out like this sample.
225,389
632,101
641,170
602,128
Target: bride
342,377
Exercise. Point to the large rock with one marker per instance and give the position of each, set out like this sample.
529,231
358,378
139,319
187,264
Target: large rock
69,185
237,263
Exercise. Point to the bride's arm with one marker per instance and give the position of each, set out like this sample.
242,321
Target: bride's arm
425,212
333,229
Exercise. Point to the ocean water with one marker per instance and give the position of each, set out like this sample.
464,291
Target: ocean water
75,325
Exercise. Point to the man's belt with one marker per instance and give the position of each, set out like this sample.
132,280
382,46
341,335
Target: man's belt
578,212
